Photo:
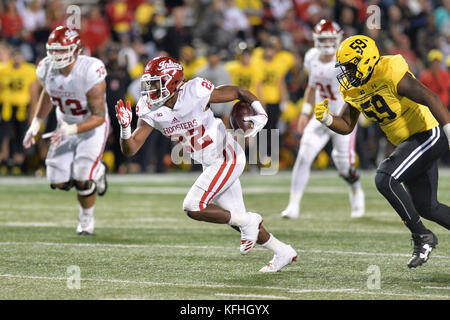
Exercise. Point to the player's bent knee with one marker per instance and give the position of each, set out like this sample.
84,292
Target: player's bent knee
382,182
85,188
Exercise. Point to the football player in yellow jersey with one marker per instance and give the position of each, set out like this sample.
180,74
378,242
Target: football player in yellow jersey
20,88
242,71
414,120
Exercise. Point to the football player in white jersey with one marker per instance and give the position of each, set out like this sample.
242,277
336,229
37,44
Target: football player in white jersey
180,110
322,83
75,85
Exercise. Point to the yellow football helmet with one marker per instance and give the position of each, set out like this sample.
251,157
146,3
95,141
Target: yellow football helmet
356,56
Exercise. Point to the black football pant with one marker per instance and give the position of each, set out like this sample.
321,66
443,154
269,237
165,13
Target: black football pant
415,164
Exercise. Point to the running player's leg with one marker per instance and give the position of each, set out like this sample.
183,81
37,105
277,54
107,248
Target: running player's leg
410,160
313,140
88,173
423,190
343,155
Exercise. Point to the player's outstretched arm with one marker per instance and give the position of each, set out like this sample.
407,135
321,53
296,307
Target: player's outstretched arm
130,143
414,90
343,124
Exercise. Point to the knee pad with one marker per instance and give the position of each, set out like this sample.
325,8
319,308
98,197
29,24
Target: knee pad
86,189
352,176
382,182
65,186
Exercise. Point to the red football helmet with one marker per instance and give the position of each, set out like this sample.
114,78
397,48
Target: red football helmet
162,77
63,46
327,36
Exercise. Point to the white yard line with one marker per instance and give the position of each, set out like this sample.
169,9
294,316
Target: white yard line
118,245
206,285
437,288
261,296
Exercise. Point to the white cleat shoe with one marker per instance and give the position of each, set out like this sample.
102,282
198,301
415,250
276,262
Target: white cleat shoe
85,225
357,203
249,232
279,261
100,180
290,213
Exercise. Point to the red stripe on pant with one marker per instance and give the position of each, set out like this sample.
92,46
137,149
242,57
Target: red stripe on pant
217,176
101,151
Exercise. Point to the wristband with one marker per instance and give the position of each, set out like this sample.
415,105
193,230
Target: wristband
307,108
71,129
328,120
125,133
257,106
36,125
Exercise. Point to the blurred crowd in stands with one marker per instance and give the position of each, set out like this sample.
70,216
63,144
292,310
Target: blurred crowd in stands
257,44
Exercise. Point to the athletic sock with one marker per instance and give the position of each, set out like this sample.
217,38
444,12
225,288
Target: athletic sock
237,218
87,212
274,244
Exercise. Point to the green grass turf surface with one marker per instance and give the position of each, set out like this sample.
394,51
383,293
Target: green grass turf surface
145,247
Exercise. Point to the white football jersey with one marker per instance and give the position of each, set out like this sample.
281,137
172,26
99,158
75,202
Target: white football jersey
68,94
190,122
322,77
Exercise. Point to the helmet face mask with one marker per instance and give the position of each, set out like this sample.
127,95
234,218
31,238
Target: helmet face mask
61,56
154,88
349,76
327,44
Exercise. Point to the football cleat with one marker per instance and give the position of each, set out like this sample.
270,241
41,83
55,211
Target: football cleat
85,225
249,232
423,245
357,202
290,212
287,256
100,181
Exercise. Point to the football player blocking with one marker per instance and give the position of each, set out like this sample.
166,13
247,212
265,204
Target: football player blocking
180,110
75,85
322,83
413,119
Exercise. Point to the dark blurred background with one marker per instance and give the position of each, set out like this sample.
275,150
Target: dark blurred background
258,44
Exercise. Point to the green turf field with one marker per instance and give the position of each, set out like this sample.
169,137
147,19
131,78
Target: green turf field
145,247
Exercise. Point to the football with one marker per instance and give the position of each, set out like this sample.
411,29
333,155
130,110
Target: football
241,109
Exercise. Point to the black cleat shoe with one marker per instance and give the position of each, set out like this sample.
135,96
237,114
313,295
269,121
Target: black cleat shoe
423,245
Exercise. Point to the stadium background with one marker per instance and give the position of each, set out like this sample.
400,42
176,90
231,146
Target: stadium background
210,37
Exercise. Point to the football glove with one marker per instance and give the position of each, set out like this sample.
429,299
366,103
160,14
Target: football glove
322,113
63,132
124,116
259,121
32,131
